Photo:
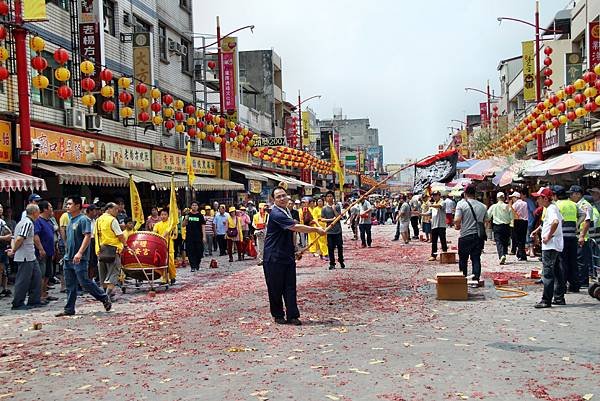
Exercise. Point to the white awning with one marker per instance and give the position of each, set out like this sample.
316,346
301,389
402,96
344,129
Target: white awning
203,183
249,174
296,181
79,175
14,180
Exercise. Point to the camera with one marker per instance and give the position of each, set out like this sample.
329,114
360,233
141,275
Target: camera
36,143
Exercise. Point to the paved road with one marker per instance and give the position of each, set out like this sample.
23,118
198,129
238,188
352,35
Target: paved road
371,332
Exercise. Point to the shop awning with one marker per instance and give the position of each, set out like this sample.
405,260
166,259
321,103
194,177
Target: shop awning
203,183
16,181
249,174
123,173
296,181
160,181
68,174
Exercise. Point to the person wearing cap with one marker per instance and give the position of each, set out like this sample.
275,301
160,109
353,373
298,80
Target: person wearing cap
194,223
521,217
32,200
234,234
552,246
220,229
259,223
438,224
584,251
209,231
595,192
501,216
250,211
571,214
279,260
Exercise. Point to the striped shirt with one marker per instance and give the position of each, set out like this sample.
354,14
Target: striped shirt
25,229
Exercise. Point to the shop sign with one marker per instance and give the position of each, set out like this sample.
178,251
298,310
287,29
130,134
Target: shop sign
305,128
5,142
238,155
483,113
594,44
254,186
308,191
528,71
229,70
65,148
263,142
122,156
553,139
91,34
589,145
175,162
142,61
573,67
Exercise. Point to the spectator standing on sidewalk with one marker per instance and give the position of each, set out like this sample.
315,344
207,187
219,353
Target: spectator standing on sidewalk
438,224
469,219
521,220
403,220
44,244
334,236
5,237
78,237
415,214
33,199
501,215
194,223
209,231
364,224
220,228
28,282
259,222
552,246
449,208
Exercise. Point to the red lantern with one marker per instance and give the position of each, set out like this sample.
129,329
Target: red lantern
167,99
125,97
547,51
210,138
555,122
561,106
569,89
548,115
61,56
571,115
88,84
144,116
238,128
208,117
64,92
169,124
3,32
541,106
179,116
548,82
591,106
222,123
4,8
547,72
106,75
579,98
192,132
39,63
589,77
553,99
597,84
141,88
211,65
547,61
155,107
190,109
108,106
200,124
3,73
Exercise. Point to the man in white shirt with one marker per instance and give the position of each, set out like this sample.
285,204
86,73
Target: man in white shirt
552,245
519,231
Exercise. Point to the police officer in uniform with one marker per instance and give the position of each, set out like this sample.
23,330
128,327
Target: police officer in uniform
279,263
584,252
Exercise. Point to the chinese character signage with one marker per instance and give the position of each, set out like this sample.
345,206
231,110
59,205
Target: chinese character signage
142,60
589,145
553,138
573,67
238,155
483,112
175,162
123,156
5,142
59,147
528,71
229,75
305,128
594,44
254,186
91,34
261,142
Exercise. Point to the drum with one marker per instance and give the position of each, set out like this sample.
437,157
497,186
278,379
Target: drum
151,250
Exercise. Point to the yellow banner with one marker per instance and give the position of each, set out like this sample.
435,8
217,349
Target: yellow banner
137,213
528,71
34,10
305,128
335,164
173,211
174,162
189,165
5,142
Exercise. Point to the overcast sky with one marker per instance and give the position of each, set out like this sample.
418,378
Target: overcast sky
403,64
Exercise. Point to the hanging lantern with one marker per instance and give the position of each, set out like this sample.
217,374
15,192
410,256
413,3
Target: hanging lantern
3,73
192,132
125,97
563,119
167,99
107,91
40,82
37,44
179,104
590,92
64,92
579,98
155,93
124,82
168,112
157,119
88,84
39,63
218,140
200,113
141,88
217,119
156,107
190,121
590,106
571,103
211,64
62,74
179,116
190,109
4,9
3,32
231,125
579,84
580,112
569,89
88,100
4,55
108,106
548,82
202,135
106,75
571,115
143,103
87,67
179,128
589,77
169,124
126,112
143,116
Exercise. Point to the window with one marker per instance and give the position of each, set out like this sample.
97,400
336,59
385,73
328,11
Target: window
186,56
64,4
140,25
185,4
162,43
48,97
109,17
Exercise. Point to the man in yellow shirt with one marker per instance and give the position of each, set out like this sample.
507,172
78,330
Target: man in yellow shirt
162,228
108,233
501,216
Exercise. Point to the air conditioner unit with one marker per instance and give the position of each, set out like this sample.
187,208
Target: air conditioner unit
126,18
183,50
75,118
93,122
173,45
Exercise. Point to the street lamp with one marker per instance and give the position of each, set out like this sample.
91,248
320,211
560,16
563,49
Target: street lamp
538,93
300,115
489,97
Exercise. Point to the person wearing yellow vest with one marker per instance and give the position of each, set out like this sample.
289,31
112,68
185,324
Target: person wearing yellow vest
162,228
312,236
108,233
571,214
234,234
259,222
322,241
584,252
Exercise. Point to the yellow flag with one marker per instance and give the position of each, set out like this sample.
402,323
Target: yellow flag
173,212
335,164
189,167
137,213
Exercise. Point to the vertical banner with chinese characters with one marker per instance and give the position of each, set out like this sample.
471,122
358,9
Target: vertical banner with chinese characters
5,142
528,71
142,61
229,75
305,128
91,34
483,113
290,130
573,67
594,44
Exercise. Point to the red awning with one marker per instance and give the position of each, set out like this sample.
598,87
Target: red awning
15,181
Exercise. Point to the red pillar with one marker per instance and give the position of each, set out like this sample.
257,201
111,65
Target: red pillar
538,89
223,145
20,35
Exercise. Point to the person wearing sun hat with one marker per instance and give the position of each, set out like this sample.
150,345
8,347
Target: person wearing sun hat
234,234
220,228
209,230
552,245
259,223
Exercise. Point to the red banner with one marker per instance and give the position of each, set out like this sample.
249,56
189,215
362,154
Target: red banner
594,44
483,113
228,81
89,47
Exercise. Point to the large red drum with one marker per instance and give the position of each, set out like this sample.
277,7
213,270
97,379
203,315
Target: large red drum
150,248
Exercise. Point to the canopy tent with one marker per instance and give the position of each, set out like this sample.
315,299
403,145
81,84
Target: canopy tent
512,173
566,163
16,181
483,168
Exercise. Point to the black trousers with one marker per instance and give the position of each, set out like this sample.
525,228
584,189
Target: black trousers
414,222
519,238
335,241
470,246
568,262
365,231
440,233
195,251
281,285
553,276
222,244
502,238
